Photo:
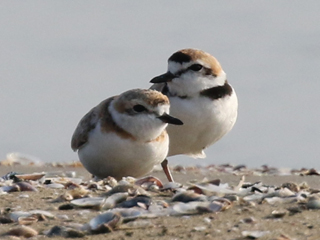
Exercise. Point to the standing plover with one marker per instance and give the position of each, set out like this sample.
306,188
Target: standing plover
201,97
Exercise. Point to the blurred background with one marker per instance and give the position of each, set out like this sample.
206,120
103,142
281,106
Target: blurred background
60,58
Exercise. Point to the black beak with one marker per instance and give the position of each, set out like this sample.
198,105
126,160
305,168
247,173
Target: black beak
169,119
167,77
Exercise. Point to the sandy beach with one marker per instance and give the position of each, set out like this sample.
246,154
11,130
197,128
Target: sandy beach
294,221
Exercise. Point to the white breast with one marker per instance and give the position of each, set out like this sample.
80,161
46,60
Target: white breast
107,154
205,122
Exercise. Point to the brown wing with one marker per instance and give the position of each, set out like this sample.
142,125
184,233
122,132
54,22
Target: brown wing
86,124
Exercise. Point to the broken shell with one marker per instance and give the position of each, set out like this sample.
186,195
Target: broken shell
104,222
64,232
291,186
254,234
27,220
120,188
171,186
147,181
22,231
189,208
55,186
111,181
208,189
188,196
139,200
313,203
88,202
278,213
112,200
78,192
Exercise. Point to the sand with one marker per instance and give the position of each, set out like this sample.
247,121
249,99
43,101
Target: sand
228,224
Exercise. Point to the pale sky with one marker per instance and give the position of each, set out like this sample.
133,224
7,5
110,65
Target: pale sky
60,58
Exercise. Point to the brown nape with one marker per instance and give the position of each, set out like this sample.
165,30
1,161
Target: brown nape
217,92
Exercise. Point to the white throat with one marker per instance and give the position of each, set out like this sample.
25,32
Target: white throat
143,127
190,84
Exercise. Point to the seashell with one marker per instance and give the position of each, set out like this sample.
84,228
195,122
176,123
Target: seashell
138,201
313,203
188,196
78,192
254,234
105,222
112,200
120,188
278,213
111,181
291,186
94,202
27,220
22,231
171,186
64,197
55,186
127,180
189,208
210,188
129,214
24,186
14,216
57,231
146,182
42,213
304,186
5,220
12,188
32,176
253,197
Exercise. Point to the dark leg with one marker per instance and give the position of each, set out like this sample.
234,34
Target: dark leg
166,170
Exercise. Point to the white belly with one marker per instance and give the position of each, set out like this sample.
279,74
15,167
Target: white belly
109,155
205,121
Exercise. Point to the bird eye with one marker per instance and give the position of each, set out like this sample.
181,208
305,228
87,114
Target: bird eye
139,108
195,67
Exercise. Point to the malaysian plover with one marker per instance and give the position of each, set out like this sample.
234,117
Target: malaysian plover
124,135
201,97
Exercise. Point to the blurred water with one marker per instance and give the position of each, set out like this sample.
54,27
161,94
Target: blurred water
60,58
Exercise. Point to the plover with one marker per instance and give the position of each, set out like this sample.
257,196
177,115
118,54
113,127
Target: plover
124,135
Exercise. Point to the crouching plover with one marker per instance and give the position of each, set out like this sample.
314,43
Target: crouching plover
201,97
124,135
